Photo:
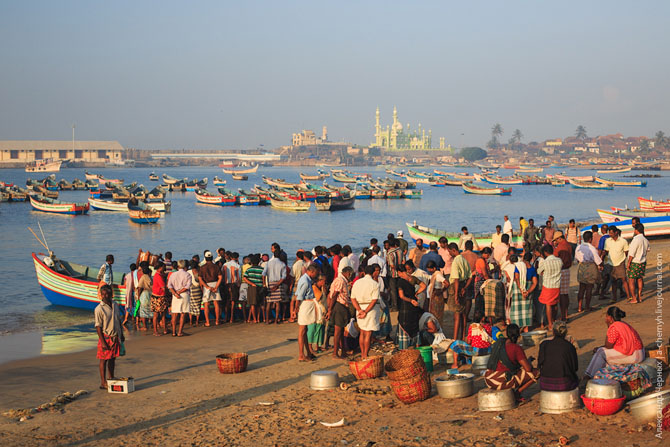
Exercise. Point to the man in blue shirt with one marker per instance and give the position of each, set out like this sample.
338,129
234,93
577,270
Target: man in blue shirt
105,273
432,255
607,269
304,295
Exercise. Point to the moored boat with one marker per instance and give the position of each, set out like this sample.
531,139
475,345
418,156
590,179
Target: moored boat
606,181
141,213
338,203
204,196
240,177
170,180
310,177
218,182
653,205
241,171
90,176
153,177
619,214
45,165
653,226
429,235
589,185
502,180
284,204
473,189
614,171
47,205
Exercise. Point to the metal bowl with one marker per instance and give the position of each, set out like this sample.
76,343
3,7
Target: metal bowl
650,366
454,386
556,402
603,389
645,409
495,400
324,380
479,362
533,338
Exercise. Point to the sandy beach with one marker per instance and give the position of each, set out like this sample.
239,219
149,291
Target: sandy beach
182,399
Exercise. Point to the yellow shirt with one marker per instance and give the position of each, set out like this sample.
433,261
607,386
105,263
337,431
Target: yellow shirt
524,224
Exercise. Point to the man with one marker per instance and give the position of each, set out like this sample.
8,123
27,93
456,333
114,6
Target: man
297,270
376,259
306,311
501,250
210,280
338,314
423,277
374,243
435,290
445,255
550,269
460,279
232,279
588,272
179,284
274,274
365,299
354,261
607,269
548,233
129,281
637,263
471,257
531,237
507,227
335,253
523,224
431,255
404,246
496,237
417,252
394,262
105,273
616,248
345,260
110,335
466,236
595,238
253,278
564,252
167,260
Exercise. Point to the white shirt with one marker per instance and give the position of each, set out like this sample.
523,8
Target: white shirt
376,259
436,281
468,237
355,262
586,252
344,262
365,290
616,250
507,228
424,277
638,249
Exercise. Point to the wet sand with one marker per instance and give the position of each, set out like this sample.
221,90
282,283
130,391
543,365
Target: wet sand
181,399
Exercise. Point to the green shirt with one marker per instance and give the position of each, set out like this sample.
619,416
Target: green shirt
255,275
460,269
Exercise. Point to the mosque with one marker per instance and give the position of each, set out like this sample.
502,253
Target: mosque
397,138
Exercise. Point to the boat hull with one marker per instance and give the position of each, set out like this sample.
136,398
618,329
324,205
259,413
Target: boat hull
59,208
424,233
471,189
241,171
653,226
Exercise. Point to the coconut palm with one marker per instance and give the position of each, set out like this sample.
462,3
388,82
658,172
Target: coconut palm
660,140
497,131
581,132
517,136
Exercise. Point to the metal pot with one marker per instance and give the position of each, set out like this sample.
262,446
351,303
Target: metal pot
324,380
556,402
534,338
454,386
494,400
479,362
603,389
645,409
445,358
650,366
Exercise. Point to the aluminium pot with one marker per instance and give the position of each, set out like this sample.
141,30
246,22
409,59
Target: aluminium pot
556,402
646,409
603,389
454,386
496,400
534,338
324,380
479,363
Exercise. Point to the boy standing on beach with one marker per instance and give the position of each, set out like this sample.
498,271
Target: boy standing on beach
110,335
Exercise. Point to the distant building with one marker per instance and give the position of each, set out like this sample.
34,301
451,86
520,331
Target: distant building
309,138
396,137
24,151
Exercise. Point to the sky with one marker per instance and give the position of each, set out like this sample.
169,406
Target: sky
241,74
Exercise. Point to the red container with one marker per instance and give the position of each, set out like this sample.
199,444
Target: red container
603,407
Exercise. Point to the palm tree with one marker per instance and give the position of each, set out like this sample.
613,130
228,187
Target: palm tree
581,132
497,131
644,146
517,136
660,140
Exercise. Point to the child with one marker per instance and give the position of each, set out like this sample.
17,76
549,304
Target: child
110,333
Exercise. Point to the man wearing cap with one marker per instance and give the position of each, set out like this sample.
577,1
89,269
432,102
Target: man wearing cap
179,284
564,252
404,246
210,280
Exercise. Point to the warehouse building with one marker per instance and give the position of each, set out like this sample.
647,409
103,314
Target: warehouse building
24,151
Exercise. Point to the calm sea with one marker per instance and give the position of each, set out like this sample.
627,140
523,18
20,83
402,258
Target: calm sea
192,227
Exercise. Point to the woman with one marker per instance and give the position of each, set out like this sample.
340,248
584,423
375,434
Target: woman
508,367
532,284
315,331
159,303
143,290
519,309
623,344
196,294
481,275
409,311
129,282
558,361
477,342
435,290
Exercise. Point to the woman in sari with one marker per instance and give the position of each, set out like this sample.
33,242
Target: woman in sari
196,294
315,331
558,362
436,291
143,291
481,275
518,309
409,311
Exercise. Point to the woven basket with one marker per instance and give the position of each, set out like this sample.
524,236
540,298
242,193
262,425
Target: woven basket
232,363
412,390
405,365
369,368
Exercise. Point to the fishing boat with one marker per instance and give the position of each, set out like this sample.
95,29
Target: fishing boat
335,203
284,204
141,213
204,196
153,177
411,193
502,180
45,165
653,205
606,181
473,189
653,226
241,171
4,197
78,185
90,176
39,189
16,194
527,169
614,171
122,205
112,181
310,177
589,185
65,283
343,178
277,182
429,235
218,182
170,180
619,214
240,177
558,182
47,205
413,178
65,185
447,181
248,199
194,184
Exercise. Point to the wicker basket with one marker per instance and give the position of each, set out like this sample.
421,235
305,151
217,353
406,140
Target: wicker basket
232,363
405,365
412,390
369,368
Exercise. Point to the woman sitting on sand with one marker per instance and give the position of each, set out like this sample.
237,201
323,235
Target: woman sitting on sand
508,367
558,361
623,344
478,341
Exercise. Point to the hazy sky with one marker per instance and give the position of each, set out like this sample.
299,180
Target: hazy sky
238,74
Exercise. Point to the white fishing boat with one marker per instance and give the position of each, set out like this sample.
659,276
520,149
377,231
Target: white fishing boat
614,171
45,165
241,171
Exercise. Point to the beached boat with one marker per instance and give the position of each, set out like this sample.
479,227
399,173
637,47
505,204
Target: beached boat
240,177
338,203
74,285
619,214
606,181
589,185
614,171
204,196
153,177
219,182
284,204
141,213
653,226
473,189
241,171
45,165
429,235
502,180
653,205
47,205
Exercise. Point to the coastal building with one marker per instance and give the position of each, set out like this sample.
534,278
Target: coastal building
397,137
309,138
24,151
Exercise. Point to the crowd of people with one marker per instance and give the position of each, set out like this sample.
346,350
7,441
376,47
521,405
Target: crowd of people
333,293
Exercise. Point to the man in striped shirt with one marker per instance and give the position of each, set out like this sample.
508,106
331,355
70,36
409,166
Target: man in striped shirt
550,269
394,262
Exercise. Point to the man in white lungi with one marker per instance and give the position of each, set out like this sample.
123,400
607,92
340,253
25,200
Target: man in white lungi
365,298
304,295
179,285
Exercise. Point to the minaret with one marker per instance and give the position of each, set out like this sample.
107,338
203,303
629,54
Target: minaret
378,130
395,116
